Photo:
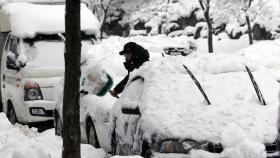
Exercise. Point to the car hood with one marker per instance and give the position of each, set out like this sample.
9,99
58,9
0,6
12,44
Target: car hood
171,105
42,73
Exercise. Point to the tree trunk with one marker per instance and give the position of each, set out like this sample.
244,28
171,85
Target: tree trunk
103,25
71,109
210,32
249,30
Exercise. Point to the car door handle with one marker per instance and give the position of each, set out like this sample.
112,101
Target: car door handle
4,78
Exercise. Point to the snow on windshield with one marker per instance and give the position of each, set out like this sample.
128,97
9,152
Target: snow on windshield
45,54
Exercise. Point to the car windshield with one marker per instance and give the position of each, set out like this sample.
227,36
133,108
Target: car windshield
47,51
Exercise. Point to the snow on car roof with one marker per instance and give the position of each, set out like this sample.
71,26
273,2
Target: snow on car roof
26,19
171,104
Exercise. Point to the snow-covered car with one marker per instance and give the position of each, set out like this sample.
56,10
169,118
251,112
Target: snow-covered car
163,113
94,107
32,57
177,50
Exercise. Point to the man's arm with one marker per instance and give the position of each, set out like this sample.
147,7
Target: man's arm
119,88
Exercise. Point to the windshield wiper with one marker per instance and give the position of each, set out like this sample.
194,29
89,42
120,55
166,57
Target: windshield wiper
257,89
197,84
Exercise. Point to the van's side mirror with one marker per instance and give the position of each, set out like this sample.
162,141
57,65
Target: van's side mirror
131,110
11,62
22,60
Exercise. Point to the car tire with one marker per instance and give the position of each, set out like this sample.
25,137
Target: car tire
11,114
146,150
58,126
91,135
114,143
148,154
1,107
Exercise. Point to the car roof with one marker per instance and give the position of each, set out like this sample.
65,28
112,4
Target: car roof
26,19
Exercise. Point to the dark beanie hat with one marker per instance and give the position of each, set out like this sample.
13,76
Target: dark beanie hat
128,47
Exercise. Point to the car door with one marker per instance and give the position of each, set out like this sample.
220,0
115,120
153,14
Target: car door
10,71
3,67
126,125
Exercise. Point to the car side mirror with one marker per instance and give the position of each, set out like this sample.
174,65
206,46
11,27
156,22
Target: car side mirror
11,62
131,110
22,60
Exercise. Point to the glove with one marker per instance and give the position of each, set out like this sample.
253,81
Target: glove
114,93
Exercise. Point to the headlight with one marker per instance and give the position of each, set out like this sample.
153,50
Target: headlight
178,147
173,146
32,91
271,147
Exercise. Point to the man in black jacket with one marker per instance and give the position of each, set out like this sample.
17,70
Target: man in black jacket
135,55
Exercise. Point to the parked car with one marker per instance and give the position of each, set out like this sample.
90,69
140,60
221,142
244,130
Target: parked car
163,112
94,107
177,50
32,57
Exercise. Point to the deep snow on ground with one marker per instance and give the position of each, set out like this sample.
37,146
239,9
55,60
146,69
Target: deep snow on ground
19,141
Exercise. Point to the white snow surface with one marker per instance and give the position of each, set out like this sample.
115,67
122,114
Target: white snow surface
171,104
29,19
19,141
169,91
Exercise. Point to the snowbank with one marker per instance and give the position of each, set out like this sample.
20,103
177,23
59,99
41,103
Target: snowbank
21,142
156,13
172,107
28,19
222,75
230,91
265,53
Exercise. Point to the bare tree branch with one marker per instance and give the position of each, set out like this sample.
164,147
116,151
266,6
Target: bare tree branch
201,4
102,5
250,2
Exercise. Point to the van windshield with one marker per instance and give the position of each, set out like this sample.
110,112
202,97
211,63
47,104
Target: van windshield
47,51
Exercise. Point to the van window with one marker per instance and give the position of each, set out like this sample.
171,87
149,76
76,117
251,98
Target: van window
13,46
7,44
12,54
47,51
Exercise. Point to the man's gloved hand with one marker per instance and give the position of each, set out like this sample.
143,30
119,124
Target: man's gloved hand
114,93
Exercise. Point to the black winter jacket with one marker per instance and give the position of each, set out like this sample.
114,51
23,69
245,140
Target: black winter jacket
140,55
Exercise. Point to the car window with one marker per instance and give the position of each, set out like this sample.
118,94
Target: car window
13,45
12,53
7,44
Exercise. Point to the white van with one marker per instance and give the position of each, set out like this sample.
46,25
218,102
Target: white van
32,60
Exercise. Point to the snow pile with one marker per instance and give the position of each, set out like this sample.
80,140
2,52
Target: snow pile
265,53
261,12
163,16
238,100
20,141
156,13
27,19
243,149
172,106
